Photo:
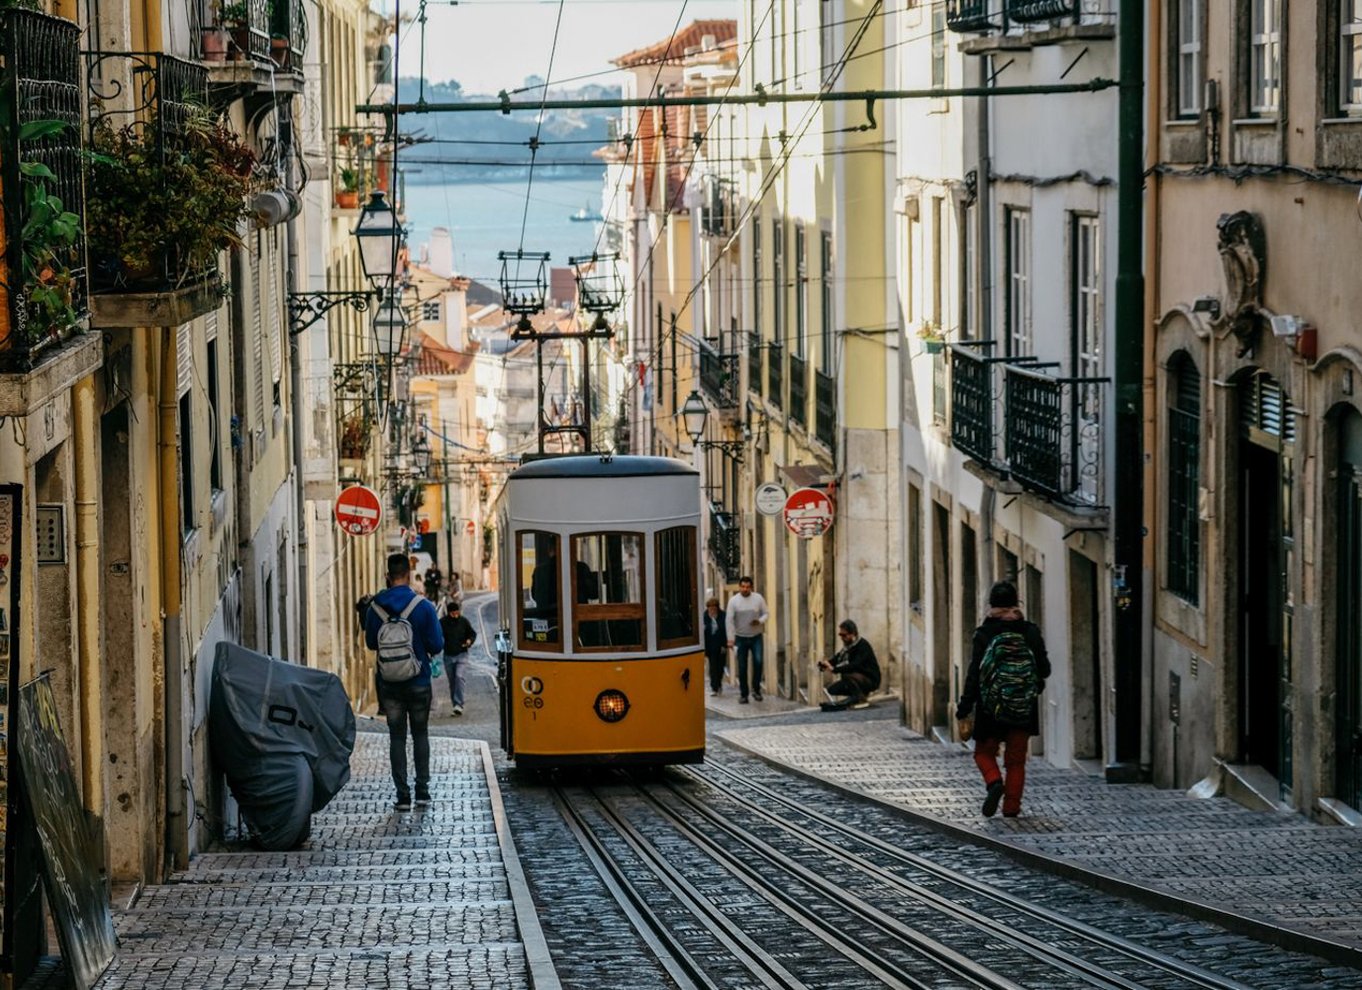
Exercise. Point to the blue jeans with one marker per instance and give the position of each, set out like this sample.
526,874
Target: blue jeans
454,670
403,703
743,647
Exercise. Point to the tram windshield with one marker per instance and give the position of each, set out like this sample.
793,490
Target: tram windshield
539,589
607,584
676,597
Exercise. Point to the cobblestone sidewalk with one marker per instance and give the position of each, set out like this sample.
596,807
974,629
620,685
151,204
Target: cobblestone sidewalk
423,899
1279,870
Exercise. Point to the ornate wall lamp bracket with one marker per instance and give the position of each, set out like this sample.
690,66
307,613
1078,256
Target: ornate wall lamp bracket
306,308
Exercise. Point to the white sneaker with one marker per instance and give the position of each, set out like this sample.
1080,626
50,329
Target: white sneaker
458,709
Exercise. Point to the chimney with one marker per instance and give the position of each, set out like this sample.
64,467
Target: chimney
707,43
441,259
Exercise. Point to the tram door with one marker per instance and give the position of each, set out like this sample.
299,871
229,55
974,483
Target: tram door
1349,659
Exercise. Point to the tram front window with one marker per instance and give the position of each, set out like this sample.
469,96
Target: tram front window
607,583
539,575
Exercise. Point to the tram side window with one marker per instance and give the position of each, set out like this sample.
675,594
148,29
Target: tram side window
539,590
607,581
676,598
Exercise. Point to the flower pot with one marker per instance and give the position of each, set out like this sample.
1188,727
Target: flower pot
241,43
214,44
279,51
347,199
933,346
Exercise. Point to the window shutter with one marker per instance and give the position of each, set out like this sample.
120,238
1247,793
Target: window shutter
275,303
184,359
257,338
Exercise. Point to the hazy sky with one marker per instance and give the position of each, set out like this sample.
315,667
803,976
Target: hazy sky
489,45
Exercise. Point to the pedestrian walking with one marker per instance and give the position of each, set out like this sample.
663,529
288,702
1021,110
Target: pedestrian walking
404,629
716,645
459,636
857,669
746,615
1007,673
433,583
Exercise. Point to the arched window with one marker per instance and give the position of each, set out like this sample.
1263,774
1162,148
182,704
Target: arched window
1184,478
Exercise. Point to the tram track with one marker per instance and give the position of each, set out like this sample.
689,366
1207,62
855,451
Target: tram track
935,927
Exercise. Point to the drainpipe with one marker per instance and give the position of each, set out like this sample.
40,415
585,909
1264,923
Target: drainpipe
177,826
85,436
1128,375
984,217
302,598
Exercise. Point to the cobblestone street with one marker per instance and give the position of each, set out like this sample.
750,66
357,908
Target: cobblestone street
430,898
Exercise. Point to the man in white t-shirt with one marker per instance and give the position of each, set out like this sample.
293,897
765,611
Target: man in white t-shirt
747,614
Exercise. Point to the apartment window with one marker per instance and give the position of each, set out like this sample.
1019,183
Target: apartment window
1350,25
825,302
1184,478
938,45
756,278
938,239
916,570
1189,58
1086,277
188,515
430,311
676,367
827,57
1265,56
778,281
214,411
1018,261
801,299
968,299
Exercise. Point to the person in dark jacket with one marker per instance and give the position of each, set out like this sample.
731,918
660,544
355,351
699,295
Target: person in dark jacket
1004,615
716,645
407,701
857,669
459,636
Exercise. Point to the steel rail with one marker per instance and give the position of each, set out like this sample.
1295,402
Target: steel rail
667,948
1189,972
888,972
764,967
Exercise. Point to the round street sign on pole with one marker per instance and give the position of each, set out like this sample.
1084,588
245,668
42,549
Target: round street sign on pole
808,513
358,510
770,499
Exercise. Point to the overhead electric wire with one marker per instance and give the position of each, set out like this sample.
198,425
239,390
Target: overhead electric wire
529,180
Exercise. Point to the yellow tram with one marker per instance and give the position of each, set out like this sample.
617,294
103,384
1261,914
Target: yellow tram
599,656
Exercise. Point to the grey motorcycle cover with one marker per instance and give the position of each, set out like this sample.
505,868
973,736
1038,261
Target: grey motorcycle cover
283,735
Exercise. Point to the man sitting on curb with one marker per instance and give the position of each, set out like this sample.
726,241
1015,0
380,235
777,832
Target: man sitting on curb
858,669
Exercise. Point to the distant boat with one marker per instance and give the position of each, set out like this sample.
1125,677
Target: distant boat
585,215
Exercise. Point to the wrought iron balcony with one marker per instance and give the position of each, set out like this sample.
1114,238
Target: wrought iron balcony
719,206
1055,433
974,403
754,378
719,376
289,25
1030,11
799,390
971,16
775,373
725,542
43,285
243,28
825,409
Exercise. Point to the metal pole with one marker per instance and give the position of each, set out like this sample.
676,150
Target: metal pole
761,98
1127,499
586,395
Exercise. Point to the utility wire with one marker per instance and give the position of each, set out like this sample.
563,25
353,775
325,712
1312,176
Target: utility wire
529,180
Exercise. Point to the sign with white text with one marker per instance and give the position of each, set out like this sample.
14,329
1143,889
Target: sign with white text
808,513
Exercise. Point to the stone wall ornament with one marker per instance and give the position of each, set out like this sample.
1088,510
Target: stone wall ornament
1243,253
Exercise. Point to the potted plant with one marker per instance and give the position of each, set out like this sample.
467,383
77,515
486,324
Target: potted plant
279,50
161,207
355,436
214,39
235,18
933,341
347,196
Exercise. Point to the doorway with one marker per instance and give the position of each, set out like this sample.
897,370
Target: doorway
1085,657
942,667
1348,782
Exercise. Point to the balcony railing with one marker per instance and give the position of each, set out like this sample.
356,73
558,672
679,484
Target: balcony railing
43,285
1054,434
969,16
1030,11
143,106
799,390
825,409
719,376
754,378
361,165
725,542
289,24
775,373
719,206
974,403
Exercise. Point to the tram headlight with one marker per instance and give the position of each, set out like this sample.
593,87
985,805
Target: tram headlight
611,705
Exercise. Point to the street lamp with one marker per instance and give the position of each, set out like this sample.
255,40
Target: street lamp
421,454
390,327
695,414
380,238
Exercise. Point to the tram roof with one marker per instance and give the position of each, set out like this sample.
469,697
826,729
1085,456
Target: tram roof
597,466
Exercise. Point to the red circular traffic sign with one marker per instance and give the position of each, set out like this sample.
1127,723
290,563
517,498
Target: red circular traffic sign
358,510
808,512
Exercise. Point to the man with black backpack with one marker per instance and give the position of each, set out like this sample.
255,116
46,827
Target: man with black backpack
1006,676
404,629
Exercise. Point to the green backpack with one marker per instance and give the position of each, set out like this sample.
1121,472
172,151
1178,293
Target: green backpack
1008,685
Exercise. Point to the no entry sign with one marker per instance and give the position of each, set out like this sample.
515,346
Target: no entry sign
358,510
808,513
